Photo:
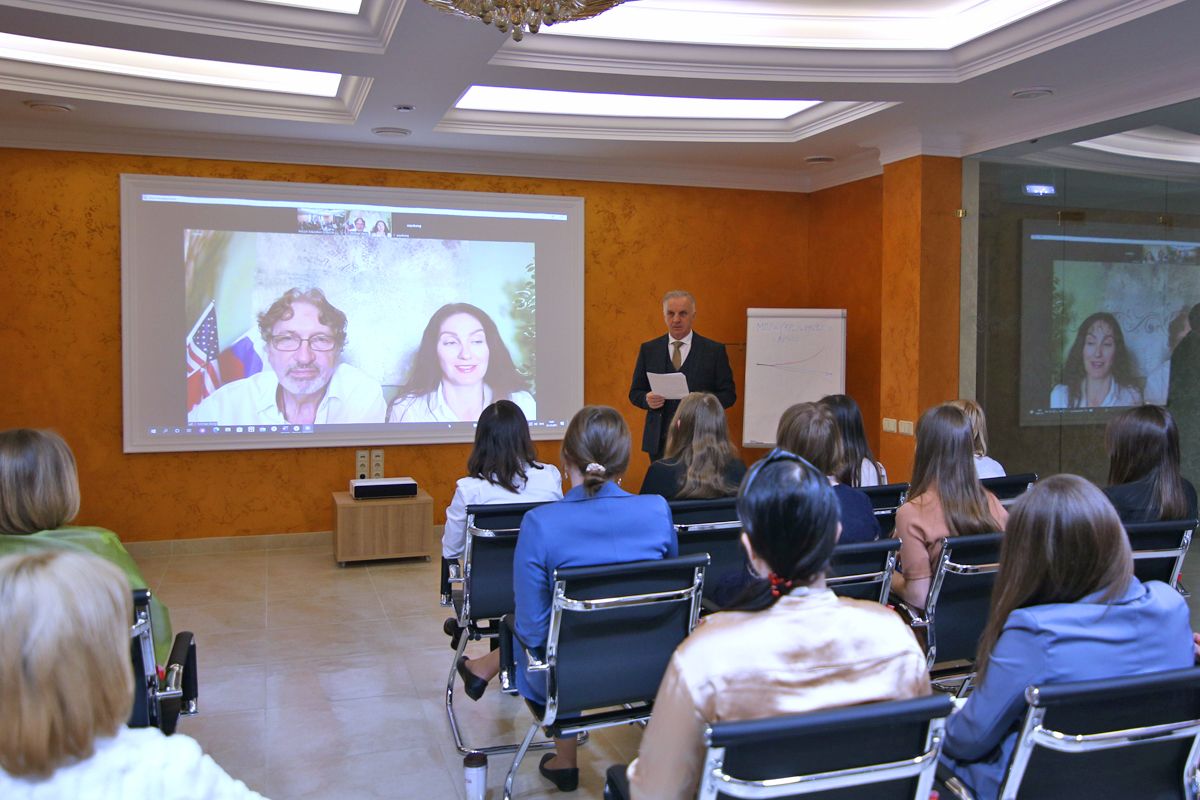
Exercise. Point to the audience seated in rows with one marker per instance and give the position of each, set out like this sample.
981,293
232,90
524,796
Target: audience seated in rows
796,648
1145,484
502,468
809,431
860,468
946,499
39,496
701,461
596,522
985,466
1065,607
66,690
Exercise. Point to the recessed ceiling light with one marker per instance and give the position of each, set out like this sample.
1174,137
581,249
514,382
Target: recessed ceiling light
335,6
49,106
389,131
592,104
168,68
819,159
1032,93
403,107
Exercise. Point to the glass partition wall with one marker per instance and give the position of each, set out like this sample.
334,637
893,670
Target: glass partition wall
1084,284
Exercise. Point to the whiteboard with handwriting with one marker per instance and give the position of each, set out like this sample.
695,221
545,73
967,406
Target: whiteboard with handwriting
793,355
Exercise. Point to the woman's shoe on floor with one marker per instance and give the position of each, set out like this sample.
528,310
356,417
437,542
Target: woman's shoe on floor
567,780
473,685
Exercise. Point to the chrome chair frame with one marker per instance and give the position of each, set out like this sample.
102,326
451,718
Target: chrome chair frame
717,783
1186,528
1006,494
630,713
886,512
882,577
684,530
159,704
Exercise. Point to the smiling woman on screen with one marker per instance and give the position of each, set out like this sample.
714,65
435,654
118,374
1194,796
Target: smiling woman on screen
462,366
1098,371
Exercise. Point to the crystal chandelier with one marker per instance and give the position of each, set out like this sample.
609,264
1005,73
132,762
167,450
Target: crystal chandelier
521,16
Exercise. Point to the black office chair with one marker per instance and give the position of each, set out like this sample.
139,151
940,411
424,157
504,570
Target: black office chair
957,606
613,629
160,704
885,500
482,594
1159,549
1010,487
1121,737
712,527
863,570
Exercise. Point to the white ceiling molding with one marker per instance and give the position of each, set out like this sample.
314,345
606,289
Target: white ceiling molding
36,136
45,80
1074,157
810,122
902,144
1025,38
1157,142
856,168
367,32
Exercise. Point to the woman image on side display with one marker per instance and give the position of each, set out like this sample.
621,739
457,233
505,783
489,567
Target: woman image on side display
462,366
1098,372
380,229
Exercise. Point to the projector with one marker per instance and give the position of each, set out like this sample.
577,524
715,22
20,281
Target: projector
379,488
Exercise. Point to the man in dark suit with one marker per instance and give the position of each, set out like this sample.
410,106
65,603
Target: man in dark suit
702,361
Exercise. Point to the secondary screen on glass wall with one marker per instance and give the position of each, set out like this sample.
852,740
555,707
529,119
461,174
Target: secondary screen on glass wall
293,315
1102,307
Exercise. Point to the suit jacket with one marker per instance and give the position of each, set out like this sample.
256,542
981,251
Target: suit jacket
1145,630
706,368
610,527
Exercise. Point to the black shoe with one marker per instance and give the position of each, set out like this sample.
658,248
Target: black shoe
473,685
450,628
567,780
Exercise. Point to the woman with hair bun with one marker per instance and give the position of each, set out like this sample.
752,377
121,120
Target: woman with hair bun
1145,484
596,522
797,647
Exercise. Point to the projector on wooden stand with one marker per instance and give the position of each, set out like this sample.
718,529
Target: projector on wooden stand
382,488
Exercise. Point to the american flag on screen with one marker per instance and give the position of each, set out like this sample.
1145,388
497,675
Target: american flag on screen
203,376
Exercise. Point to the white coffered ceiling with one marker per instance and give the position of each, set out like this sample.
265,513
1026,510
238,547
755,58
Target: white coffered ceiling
893,80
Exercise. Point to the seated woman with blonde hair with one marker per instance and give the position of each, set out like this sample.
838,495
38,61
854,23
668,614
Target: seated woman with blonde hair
66,690
985,466
701,461
39,496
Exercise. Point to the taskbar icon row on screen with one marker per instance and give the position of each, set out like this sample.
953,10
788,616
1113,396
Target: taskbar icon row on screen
205,430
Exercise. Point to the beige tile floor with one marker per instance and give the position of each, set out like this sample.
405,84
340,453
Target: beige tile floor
325,682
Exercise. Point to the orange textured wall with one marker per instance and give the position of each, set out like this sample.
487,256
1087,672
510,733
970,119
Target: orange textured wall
845,262
61,339
920,288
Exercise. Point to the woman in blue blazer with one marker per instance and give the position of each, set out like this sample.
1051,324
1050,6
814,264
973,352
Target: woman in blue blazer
1066,607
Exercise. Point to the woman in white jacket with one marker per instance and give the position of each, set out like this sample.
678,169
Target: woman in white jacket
66,690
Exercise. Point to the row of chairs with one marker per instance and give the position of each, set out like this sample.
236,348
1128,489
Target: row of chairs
888,498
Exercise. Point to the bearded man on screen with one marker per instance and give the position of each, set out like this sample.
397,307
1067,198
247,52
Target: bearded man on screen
304,336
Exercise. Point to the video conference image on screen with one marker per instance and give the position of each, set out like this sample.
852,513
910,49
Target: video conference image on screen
1103,306
307,316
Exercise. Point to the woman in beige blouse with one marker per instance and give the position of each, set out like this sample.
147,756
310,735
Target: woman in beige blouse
946,499
797,647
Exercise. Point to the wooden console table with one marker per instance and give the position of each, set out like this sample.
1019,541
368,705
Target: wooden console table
400,527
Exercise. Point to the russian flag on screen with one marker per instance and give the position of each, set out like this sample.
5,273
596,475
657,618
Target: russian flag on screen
239,360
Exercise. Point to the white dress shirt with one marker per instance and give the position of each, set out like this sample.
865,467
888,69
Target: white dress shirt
433,407
683,351
136,763
543,484
351,396
986,467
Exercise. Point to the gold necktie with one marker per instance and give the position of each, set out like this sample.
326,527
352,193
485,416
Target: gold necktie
676,358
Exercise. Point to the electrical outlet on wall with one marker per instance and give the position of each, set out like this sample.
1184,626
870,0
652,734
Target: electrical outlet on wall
906,427
889,425
362,464
377,463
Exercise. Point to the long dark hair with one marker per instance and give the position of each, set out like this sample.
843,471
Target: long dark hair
810,431
503,448
1122,366
597,443
699,439
1063,542
945,464
502,375
789,513
854,438
1142,443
